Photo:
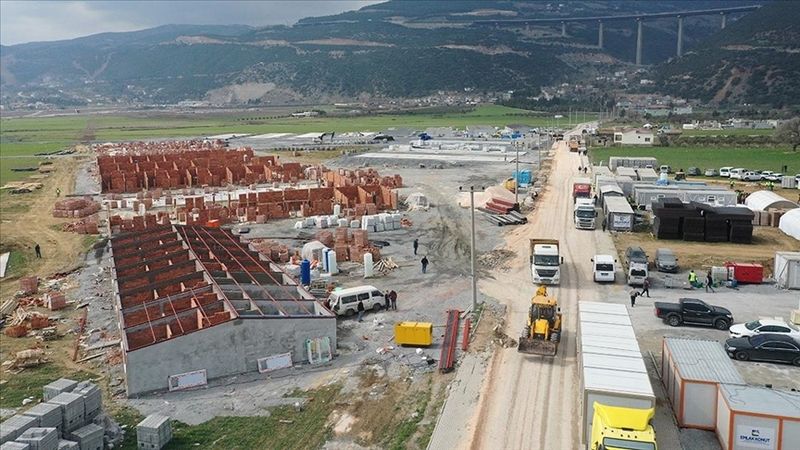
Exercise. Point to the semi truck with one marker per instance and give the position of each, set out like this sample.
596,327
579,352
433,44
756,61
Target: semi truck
617,399
573,145
584,214
581,188
545,261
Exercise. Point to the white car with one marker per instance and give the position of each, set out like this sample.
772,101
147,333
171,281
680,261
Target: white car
773,177
764,326
737,173
751,176
725,172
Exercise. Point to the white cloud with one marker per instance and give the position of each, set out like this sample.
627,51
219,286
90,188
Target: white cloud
28,21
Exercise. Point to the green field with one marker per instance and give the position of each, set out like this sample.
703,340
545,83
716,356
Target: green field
26,136
729,132
708,157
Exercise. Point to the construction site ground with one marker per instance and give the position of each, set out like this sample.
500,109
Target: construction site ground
375,394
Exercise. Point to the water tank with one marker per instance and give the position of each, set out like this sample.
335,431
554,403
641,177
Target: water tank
368,266
305,272
337,210
330,255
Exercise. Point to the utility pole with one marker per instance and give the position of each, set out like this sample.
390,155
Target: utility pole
472,247
516,177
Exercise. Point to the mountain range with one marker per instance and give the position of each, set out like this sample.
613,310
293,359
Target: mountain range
401,49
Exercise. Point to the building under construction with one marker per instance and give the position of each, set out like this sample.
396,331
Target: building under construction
194,303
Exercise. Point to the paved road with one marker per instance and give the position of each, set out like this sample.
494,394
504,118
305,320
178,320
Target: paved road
532,402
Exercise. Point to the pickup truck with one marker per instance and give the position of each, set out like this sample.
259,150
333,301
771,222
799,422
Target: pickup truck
695,312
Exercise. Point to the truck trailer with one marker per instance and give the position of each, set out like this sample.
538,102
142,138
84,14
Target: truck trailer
545,261
581,188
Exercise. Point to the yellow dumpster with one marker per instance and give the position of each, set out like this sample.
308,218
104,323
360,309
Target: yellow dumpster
413,333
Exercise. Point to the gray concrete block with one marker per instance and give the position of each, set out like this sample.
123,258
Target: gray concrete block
72,410
154,432
64,444
57,387
48,415
14,426
13,445
40,438
92,398
89,437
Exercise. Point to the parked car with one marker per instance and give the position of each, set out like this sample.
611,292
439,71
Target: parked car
774,177
797,180
693,171
711,172
764,347
751,176
737,173
766,173
665,169
635,254
666,261
725,171
761,326
695,312
344,302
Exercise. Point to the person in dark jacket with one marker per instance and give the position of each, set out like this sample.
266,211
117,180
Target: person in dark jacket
424,264
360,308
393,299
709,282
386,300
38,251
416,245
634,293
645,288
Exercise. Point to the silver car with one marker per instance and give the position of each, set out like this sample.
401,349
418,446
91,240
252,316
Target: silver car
711,172
666,261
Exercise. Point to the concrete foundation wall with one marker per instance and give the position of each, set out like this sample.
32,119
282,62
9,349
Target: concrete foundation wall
226,349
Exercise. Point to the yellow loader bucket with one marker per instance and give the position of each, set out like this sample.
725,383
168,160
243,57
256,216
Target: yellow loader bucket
534,346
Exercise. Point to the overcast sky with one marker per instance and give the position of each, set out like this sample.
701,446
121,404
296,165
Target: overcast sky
28,21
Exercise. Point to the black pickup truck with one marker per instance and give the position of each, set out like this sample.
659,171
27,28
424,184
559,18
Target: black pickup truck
694,312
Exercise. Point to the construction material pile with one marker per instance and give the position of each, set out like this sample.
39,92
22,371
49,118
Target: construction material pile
86,226
138,223
75,208
274,251
694,221
349,244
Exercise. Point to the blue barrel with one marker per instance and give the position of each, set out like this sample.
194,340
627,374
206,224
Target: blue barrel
305,272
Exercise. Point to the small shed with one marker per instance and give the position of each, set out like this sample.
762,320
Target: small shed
618,213
787,270
610,190
647,174
627,172
790,223
691,370
766,200
749,417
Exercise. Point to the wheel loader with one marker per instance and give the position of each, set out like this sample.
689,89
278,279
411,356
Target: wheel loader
543,330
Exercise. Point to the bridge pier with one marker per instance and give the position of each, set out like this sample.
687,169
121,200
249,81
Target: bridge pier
563,29
680,36
639,41
600,34
724,20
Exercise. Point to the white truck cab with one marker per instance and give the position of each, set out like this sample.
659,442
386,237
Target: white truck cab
604,268
584,214
545,261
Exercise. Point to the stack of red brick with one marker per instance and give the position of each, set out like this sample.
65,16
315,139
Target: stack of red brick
274,251
86,226
138,223
349,245
198,212
75,208
29,285
345,177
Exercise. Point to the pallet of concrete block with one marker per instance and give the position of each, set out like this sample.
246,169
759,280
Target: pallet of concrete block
92,398
14,426
41,438
58,387
788,182
48,415
88,437
154,432
14,445
72,410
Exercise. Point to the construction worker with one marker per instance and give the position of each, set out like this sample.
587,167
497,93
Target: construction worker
38,251
645,288
360,309
58,192
770,185
386,300
692,278
634,293
732,184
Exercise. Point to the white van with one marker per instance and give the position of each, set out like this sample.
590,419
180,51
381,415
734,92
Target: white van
637,273
725,172
737,173
604,268
344,302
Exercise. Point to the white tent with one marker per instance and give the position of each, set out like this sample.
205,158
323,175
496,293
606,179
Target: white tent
790,223
764,200
313,250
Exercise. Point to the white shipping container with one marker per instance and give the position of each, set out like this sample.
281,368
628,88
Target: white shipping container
787,270
752,417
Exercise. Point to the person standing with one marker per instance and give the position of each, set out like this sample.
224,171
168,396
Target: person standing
646,288
386,299
709,282
416,245
604,224
393,299
38,251
424,264
360,308
692,278
634,293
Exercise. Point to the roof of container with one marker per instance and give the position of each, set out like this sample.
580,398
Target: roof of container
601,318
153,421
611,346
790,256
608,188
615,362
702,360
682,187
617,205
764,200
606,308
601,170
612,380
629,171
762,400
608,330
646,172
790,223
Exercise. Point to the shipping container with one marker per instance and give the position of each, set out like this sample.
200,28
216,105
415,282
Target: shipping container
613,371
749,417
691,370
618,213
745,272
787,270
632,161
647,194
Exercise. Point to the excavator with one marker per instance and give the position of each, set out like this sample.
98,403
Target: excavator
543,330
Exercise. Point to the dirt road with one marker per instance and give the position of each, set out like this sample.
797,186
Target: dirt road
532,401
